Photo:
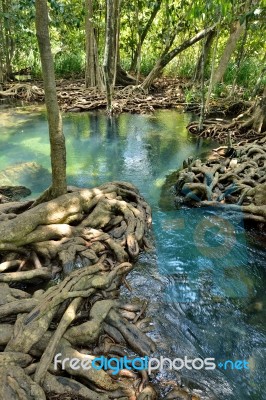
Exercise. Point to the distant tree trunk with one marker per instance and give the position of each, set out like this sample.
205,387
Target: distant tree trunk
1,51
1,72
57,139
239,58
8,45
237,31
259,118
93,73
205,54
260,77
138,47
111,51
257,121
143,35
202,108
123,78
116,37
208,97
167,57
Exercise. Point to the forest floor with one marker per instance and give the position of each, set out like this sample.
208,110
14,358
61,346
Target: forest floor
74,97
165,93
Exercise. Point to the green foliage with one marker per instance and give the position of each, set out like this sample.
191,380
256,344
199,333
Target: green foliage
174,22
69,65
146,66
183,68
246,75
220,90
186,69
192,95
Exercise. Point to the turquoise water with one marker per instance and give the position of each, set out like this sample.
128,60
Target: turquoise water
205,278
139,149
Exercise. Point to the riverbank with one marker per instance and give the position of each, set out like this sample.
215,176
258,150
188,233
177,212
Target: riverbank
165,93
74,97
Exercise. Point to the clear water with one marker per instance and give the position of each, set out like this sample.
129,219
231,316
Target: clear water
205,278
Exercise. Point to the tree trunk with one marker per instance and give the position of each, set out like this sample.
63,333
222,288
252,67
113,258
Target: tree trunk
57,139
259,122
205,54
260,77
111,52
169,56
230,47
1,51
116,37
208,97
202,108
123,78
8,46
143,34
239,58
93,72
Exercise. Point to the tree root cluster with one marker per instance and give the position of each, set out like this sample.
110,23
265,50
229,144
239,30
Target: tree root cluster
23,91
92,235
220,108
74,97
237,184
219,129
248,123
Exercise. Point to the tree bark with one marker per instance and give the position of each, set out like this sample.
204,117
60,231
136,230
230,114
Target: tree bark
208,97
205,54
230,47
202,108
259,123
8,45
57,139
116,37
93,73
110,52
169,56
143,34
1,53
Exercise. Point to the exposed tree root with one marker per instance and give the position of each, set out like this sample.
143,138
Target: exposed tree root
219,129
223,108
99,230
249,124
237,184
75,97
25,91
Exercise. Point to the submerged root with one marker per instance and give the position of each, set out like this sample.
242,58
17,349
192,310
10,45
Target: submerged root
236,184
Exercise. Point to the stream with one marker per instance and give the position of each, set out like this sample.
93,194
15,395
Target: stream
205,277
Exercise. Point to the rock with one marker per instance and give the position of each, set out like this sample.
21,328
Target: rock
31,174
13,193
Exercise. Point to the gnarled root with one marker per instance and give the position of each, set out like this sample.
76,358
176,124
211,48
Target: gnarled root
91,235
237,184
